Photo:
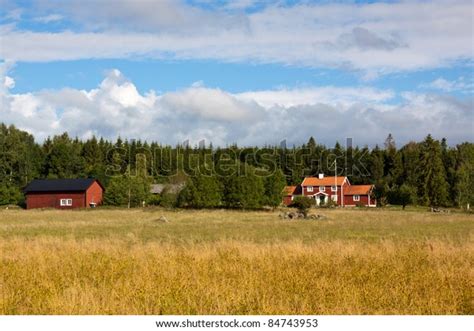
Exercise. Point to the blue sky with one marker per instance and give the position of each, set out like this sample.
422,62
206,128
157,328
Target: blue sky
251,72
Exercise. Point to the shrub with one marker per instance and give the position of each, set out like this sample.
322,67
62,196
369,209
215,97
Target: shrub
10,195
403,195
303,204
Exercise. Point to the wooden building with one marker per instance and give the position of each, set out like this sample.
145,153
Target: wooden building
63,193
338,189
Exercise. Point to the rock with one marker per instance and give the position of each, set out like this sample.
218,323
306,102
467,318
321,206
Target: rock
163,219
439,210
317,217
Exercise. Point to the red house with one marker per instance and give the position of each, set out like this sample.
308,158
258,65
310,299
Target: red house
336,188
289,192
63,193
359,195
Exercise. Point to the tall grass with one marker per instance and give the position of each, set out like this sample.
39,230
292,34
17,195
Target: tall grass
357,262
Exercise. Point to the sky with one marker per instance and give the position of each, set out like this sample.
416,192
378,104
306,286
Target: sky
251,72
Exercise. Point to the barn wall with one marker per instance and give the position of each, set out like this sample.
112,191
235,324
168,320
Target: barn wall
94,194
52,200
364,200
287,200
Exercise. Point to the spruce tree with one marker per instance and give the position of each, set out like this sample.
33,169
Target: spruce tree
201,191
464,176
274,185
244,189
434,188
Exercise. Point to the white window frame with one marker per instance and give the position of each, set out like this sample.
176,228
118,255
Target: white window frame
65,202
333,188
356,197
322,189
309,189
334,197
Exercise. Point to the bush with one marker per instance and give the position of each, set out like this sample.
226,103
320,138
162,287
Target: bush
10,195
403,195
200,191
153,200
330,203
123,190
360,205
244,189
303,204
168,199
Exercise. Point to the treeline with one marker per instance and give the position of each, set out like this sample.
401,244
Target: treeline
426,173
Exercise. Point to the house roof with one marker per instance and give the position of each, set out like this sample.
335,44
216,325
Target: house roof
156,188
358,190
288,190
60,185
325,181
171,188
292,190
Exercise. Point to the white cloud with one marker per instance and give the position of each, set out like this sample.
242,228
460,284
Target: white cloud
458,85
49,18
116,107
8,82
372,38
344,96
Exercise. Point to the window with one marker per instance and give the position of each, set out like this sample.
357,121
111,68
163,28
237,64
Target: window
322,189
65,202
310,189
334,198
334,188
356,197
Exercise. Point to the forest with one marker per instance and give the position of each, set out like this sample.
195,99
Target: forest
427,173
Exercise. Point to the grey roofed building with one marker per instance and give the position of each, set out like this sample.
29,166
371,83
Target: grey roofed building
171,188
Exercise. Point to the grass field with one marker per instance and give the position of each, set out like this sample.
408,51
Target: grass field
111,261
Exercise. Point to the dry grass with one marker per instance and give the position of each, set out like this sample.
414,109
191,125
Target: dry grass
223,262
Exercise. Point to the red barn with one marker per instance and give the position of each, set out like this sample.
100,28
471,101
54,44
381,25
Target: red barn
63,193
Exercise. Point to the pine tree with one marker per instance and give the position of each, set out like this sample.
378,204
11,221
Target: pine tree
274,185
434,188
201,191
243,189
464,176
376,165
410,165
402,195
127,190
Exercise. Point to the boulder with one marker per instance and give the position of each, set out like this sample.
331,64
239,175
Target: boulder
163,219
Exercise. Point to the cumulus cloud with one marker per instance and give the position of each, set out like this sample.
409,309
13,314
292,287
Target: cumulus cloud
49,18
116,108
8,82
374,38
459,85
363,39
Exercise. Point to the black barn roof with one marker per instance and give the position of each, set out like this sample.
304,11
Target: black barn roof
60,185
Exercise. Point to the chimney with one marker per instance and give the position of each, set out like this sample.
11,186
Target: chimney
321,176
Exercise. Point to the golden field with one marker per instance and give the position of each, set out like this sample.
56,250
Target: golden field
112,261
